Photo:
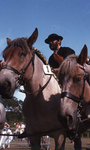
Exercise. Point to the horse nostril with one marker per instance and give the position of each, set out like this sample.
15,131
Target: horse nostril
69,119
7,84
6,87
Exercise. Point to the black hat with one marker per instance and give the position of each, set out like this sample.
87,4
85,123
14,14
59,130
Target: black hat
53,37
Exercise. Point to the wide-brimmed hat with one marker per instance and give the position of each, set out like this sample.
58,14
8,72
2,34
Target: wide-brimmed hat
53,37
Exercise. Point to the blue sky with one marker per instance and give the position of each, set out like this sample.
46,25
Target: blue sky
68,18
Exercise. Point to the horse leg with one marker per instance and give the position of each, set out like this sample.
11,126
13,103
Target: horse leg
35,143
77,143
60,140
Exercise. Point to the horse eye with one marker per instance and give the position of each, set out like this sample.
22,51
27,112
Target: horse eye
77,79
23,53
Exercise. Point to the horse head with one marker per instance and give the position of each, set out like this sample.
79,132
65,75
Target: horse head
74,78
18,58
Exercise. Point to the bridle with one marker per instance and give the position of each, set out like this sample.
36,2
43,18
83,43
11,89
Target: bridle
21,75
73,97
78,100
24,70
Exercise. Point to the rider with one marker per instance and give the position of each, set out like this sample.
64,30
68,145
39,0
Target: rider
59,53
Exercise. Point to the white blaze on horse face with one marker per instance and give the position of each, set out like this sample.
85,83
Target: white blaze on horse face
65,83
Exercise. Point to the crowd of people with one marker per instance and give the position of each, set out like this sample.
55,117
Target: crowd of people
19,128
6,140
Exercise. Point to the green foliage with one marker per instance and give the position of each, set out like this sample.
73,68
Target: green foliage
12,117
13,110
12,104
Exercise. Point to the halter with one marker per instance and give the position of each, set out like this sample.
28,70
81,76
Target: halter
77,100
73,97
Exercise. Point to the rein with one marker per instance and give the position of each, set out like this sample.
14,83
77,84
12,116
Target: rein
41,89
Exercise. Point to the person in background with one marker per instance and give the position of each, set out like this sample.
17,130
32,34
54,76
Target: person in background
2,139
8,138
5,140
22,127
59,53
17,128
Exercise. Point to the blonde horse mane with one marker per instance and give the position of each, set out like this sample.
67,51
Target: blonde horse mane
68,66
40,55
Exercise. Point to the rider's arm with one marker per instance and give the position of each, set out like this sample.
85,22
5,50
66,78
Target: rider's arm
58,58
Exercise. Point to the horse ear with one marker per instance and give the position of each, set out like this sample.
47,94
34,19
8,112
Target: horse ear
31,40
83,55
8,41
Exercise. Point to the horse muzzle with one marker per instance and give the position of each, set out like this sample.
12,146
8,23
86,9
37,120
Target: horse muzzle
67,122
7,84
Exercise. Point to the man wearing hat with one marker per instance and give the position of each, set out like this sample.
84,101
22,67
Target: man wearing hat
59,54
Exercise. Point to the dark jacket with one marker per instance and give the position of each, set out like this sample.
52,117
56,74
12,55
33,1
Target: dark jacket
64,52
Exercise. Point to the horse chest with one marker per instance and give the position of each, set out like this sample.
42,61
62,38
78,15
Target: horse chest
41,117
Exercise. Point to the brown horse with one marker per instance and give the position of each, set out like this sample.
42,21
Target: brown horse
22,66
74,75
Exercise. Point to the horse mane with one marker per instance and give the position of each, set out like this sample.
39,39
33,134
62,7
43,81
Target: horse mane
40,55
68,66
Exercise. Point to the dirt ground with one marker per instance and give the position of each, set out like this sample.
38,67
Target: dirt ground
68,146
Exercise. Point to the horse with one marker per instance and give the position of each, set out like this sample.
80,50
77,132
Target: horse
23,66
74,77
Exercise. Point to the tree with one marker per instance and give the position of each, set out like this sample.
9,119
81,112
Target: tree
13,110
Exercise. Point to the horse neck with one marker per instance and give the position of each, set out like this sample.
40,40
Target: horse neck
37,78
